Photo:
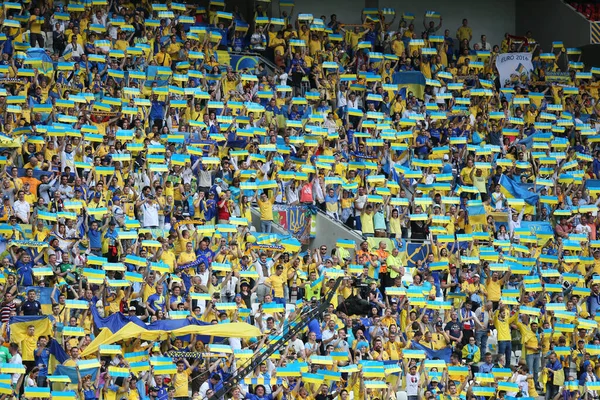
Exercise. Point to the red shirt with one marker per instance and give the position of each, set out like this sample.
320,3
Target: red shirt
223,210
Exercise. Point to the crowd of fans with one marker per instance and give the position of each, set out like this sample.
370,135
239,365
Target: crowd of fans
589,9
133,155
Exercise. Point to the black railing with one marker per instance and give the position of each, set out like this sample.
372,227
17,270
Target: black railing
295,327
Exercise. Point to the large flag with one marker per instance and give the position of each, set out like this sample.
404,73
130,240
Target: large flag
443,354
514,190
410,81
18,326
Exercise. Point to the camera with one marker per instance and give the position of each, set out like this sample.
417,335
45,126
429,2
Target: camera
362,285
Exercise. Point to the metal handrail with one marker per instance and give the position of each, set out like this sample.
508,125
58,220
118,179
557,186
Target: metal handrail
295,327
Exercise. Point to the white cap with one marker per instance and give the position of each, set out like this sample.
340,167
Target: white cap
446,157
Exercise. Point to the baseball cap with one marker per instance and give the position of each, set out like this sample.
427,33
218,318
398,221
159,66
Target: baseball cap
476,276
132,308
446,157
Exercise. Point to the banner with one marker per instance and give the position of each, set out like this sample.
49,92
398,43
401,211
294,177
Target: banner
513,67
558,77
416,252
19,326
297,220
71,372
274,247
28,243
177,355
239,62
192,264
538,227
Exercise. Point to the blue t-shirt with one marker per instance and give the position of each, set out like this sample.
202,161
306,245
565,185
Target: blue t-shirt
422,140
157,111
95,237
157,302
205,255
25,273
44,359
447,169
331,199
313,326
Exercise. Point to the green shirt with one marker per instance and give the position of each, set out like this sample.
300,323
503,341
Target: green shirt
4,354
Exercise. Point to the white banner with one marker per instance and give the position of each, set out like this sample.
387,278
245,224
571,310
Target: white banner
513,68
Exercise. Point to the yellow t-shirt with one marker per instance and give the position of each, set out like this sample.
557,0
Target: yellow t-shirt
398,47
168,258
355,37
186,258
181,383
367,223
464,32
28,346
277,282
121,45
115,305
36,25
465,174
266,209
494,290
503,327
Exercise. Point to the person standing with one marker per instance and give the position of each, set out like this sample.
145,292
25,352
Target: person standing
482,325
502,323
42,359
265,204
15,359
28,347
555,370
464,32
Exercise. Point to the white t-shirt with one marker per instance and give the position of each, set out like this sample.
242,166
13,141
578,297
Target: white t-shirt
583,229
230,287
16,359
328,334
150,214
22,209
360,202
297,345
412,384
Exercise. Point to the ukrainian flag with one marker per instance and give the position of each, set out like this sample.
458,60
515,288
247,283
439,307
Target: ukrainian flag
514,190
410,82
19,325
